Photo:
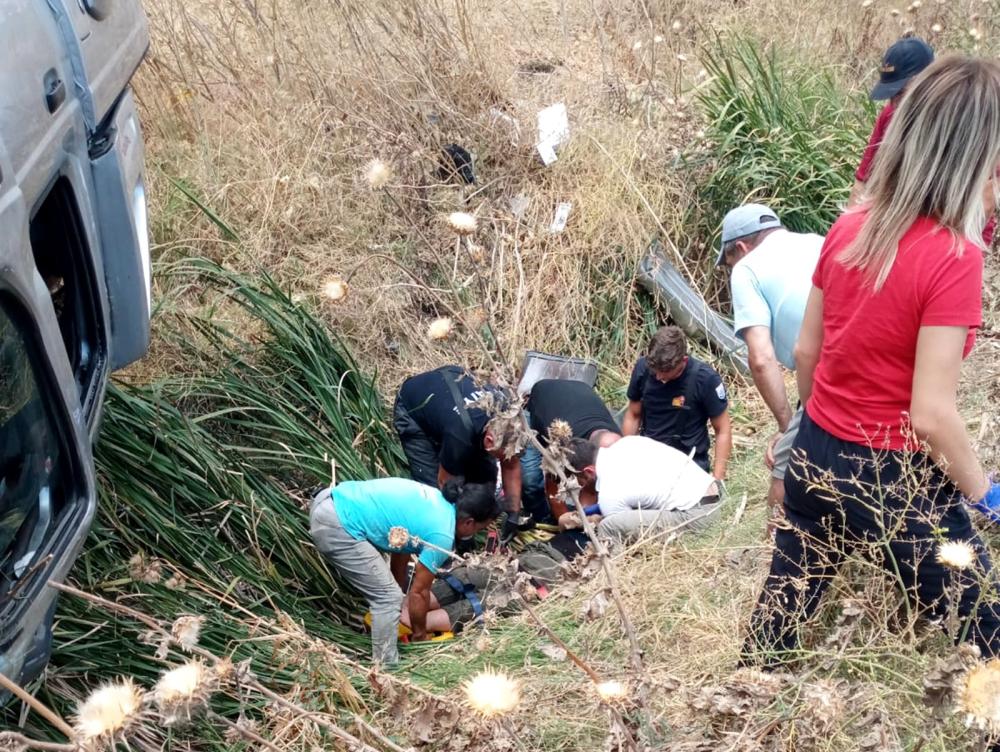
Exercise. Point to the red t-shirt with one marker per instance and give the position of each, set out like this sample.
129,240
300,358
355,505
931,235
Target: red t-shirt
864,170
864,380
874,141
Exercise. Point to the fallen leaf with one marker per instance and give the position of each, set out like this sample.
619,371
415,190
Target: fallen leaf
595,607
553,652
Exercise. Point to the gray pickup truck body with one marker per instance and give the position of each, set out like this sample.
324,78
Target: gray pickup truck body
74,285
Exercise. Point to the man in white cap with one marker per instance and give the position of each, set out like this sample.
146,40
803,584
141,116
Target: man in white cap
771,277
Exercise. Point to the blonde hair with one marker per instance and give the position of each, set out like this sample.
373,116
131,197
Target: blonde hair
940,149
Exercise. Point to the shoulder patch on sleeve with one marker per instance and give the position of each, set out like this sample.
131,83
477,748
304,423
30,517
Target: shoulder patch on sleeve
720,391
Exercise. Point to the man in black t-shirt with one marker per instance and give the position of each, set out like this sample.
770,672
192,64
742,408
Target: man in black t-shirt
444,434
574,402
673,397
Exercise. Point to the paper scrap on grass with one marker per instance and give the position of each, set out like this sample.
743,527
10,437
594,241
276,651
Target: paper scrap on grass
561,217
553,130
518,205
553,652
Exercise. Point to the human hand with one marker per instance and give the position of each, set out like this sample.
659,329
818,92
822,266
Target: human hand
989,505
515,524
418,636
769,450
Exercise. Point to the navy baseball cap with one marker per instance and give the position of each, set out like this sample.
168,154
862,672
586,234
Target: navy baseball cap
901,62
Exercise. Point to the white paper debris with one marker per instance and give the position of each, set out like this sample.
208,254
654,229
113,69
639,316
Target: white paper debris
547,152
553,130
562,215
518,205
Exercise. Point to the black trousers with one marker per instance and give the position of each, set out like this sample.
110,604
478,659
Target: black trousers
893,508
422,453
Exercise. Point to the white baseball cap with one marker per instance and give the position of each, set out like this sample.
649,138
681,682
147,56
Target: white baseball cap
745,220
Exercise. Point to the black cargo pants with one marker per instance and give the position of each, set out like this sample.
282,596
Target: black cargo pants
422,453
894,508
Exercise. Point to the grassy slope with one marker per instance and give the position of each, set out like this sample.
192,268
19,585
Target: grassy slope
268,115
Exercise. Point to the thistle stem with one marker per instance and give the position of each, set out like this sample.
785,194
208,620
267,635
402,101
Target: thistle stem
37,705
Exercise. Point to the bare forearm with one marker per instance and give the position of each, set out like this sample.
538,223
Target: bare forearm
443,476
556,504
804,372
723,448
418,604
771,385
950,447
510,475
630,424
398,565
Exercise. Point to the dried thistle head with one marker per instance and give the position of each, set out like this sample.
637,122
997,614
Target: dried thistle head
186,630
108,714
377,174
946,678
399,536
956,554
492,693
978,696
560,432
825,701
476,318
244,729
439,328
177,581
145,570
476,253
462,223
224,669
335,288
611,691
183,692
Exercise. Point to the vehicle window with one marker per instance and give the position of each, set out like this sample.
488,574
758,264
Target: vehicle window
33,491
62,258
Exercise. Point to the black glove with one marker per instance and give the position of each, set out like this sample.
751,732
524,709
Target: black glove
515,524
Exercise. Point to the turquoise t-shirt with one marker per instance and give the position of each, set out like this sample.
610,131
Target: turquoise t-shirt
369,509
770,286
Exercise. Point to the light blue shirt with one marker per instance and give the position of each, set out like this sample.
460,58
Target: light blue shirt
369,509
770,287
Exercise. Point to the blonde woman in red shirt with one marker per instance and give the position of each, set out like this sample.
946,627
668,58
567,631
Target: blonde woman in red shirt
882,465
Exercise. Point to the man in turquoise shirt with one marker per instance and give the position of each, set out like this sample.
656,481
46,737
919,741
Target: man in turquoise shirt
354,524
771,277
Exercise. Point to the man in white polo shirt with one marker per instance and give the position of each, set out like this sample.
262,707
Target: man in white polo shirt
771,277
639,485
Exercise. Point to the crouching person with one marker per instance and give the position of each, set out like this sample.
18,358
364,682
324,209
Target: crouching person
639,486
357,522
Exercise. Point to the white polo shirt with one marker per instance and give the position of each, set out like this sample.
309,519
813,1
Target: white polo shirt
637,472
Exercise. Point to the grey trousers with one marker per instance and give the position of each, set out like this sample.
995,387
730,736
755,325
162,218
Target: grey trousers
630,526
365,567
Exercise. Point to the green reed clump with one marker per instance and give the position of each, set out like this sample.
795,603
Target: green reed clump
779,132
208,476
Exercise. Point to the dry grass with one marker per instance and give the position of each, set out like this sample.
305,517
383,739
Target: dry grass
269,116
